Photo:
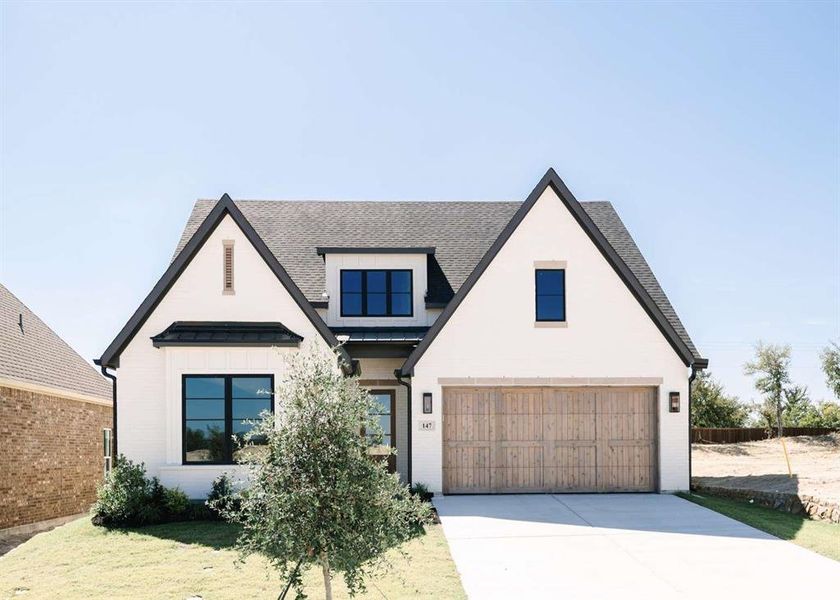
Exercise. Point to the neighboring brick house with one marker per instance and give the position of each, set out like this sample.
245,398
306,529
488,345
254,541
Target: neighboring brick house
54,412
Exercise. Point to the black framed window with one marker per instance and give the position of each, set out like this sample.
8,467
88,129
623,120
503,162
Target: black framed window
377,293
551,294
217,408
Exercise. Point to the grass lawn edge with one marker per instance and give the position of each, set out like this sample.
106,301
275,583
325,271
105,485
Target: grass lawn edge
821,537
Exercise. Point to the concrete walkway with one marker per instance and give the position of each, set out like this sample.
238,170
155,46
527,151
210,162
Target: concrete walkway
621,546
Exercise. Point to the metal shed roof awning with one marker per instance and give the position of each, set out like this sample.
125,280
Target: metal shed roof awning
381,335
226,333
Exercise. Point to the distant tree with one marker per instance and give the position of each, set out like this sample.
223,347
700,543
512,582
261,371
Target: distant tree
711,407
771,368
824,414
830,359
798,408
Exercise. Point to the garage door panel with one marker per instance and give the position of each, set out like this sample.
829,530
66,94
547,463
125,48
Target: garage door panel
467,469
569,414
627,468
520,467
572,468
467,415
519,415
549,439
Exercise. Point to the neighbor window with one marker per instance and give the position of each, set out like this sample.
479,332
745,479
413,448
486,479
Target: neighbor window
106,450
551,294
217,408
376,293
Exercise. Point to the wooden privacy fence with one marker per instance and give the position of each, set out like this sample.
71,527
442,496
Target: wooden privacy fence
732,435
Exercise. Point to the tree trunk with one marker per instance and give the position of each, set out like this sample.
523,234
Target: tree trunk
325,567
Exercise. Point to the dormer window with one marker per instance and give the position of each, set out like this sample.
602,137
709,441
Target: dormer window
376,293
227,268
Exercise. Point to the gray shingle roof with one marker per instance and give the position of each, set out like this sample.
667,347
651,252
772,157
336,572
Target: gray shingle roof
461,233
37,355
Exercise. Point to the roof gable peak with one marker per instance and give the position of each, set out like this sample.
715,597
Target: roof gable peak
552,179
224,207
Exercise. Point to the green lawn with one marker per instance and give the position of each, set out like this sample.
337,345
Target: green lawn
820,536
183,560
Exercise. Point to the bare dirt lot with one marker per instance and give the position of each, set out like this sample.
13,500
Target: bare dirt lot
815,461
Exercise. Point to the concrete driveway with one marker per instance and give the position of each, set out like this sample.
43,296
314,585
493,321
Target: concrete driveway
621,546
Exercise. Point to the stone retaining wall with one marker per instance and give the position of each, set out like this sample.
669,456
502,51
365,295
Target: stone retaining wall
798,504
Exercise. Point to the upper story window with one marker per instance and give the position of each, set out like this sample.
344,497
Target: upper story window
551,294
376,293
218,407
227,269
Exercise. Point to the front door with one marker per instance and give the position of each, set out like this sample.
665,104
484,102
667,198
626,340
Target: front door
384,412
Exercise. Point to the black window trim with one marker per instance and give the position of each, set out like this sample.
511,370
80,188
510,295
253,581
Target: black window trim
537,297
388,307
228,412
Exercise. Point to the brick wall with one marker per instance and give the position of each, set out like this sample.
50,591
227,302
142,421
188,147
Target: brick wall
50,455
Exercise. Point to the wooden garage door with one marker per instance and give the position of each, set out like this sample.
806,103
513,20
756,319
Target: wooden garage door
553,439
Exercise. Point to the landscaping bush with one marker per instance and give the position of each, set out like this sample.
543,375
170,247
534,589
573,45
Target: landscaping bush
123,497
422,491
127,498
222,498
175,501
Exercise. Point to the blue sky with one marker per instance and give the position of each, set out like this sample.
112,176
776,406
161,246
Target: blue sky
713,128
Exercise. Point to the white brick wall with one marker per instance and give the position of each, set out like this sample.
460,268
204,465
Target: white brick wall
149,401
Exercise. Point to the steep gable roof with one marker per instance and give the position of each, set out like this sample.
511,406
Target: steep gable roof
224,207
461,233
681,344
34,353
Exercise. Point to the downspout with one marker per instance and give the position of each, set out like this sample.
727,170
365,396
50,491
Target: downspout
407,384
697,365
113,379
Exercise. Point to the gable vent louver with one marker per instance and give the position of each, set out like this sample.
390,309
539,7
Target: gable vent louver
227,285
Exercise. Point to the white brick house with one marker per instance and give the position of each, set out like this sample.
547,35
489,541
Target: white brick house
514,346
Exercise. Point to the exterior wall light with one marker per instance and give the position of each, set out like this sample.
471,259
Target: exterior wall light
674,402
427,403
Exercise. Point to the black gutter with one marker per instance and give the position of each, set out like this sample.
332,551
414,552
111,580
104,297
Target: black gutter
698,365
398,374
113,379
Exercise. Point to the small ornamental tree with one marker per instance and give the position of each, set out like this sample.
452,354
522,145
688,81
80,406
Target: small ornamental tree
316,497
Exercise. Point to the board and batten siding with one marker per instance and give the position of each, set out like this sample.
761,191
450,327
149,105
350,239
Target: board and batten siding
609,339
149,378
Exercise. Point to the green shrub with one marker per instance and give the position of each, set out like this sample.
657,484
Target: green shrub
126,498
222,498
422,491
123,497
176,502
